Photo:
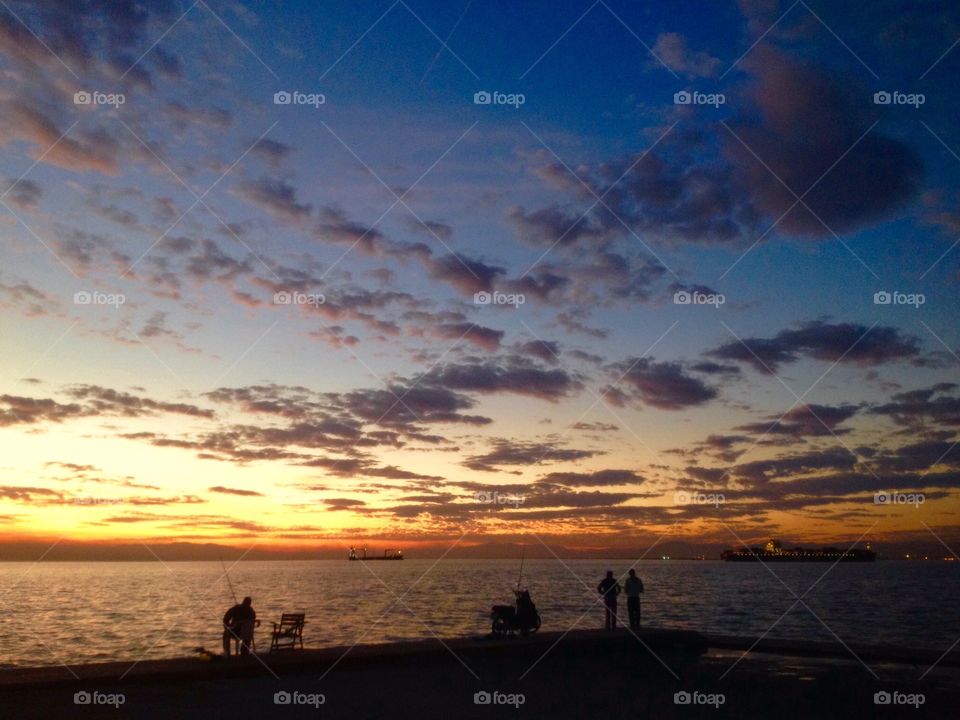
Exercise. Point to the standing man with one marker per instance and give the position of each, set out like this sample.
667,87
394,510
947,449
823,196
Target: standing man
633,587
609,589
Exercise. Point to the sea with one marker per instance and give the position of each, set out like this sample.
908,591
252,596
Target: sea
66,613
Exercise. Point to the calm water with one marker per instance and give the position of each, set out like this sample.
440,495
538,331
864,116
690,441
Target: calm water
81,612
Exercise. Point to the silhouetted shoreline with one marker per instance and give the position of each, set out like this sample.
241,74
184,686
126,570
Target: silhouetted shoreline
599,672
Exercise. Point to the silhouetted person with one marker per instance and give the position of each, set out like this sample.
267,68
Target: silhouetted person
526,611
633,587
609,589
238,624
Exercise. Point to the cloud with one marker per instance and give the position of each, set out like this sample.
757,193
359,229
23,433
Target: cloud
80,151
552,225
30,300
598,478
663,385
802,120
336,227
672,50
819,340
510,452
343,503
23,194
271,151
234,491
916,408
101,400
547,351
465,274
16,409
513,374
805,421
275,197
484,337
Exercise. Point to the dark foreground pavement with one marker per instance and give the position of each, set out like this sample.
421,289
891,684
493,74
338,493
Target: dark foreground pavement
583,674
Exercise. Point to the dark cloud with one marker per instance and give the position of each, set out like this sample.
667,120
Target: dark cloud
802,120
272,151
275,197
513,374
547,351
101,400
804,421
599,478
23,194
510,453
343,503
663,385
467,275
819,340
234,491
918,407
484,337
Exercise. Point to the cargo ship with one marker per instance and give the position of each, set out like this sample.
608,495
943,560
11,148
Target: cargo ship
362,555
773,551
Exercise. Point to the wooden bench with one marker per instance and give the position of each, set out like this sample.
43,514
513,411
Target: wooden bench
288,632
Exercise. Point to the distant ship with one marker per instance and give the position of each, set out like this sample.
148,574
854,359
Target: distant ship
387,555
773,551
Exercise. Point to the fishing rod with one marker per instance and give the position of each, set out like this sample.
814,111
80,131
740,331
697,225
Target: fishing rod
227,576
523,550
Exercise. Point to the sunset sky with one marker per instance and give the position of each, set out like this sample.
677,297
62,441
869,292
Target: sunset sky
387,403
